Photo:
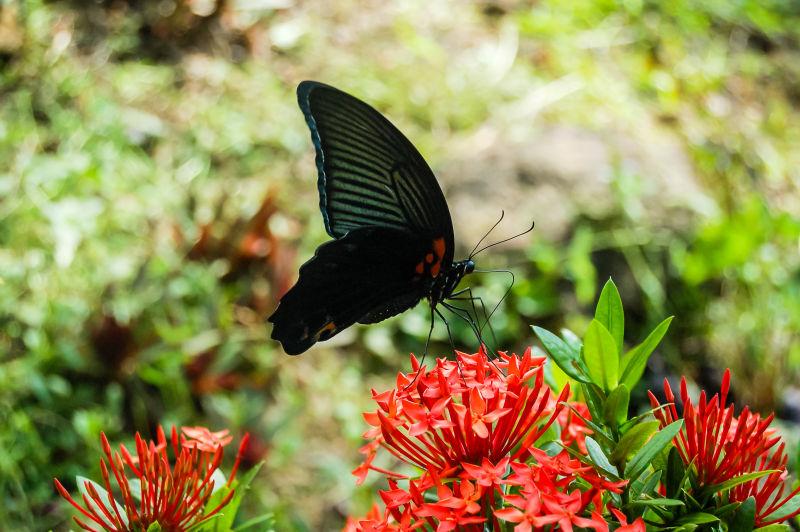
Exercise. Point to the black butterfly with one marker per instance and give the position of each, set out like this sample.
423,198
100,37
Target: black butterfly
393,236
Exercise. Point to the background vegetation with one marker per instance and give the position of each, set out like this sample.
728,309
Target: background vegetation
157,195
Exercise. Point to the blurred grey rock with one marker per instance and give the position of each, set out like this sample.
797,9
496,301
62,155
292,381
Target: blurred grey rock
561,171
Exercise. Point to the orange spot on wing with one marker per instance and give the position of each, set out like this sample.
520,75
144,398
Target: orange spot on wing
419,269
438,248
326,331
429,258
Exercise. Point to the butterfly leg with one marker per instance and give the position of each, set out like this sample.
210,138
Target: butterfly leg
475,330
424,354
467,318
447,326
471,298
452,344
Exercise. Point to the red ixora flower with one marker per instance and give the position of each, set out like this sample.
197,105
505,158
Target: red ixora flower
462,411
470,426
722,446
174,495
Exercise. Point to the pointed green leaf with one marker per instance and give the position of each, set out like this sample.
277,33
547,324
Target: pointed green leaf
598,430
561,353
601,356
697,518
154,527
735,481
228,513
595,399
675,473
609,313
615,410
725,509
744,519
641,417
210,524
661,501
578,455
265,522
572,340
633,440
635,360
599,457
645,485
777,527
641,460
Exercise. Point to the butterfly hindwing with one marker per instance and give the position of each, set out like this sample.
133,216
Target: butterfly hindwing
368,275
369,173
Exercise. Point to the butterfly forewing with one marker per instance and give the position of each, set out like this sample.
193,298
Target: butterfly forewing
369,173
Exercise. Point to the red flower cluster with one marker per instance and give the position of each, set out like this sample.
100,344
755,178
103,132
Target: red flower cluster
722,446
174,496
470,425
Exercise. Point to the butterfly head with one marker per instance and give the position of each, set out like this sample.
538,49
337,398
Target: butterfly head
469,266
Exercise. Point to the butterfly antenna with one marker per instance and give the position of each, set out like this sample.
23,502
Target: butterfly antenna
525,232
507,292
502,214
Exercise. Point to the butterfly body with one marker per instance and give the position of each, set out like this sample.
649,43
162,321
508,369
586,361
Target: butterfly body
446,282
392,233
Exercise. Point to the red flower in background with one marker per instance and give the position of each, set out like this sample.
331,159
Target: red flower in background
573,427
722,446
637,526
470,425
174,495
204,439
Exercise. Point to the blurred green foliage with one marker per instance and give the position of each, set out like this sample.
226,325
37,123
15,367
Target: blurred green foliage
156,179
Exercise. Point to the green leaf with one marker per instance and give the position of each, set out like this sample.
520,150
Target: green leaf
735,481
598,430
228,513
675,473
601,356
641,460
615,410
584,459
725,509
572,340
789,507
561,353
599,457
633,440
745,517
690,499
609,313
697,518
777,527
154,527
661,501
265,521
595,399
635,360
644,486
